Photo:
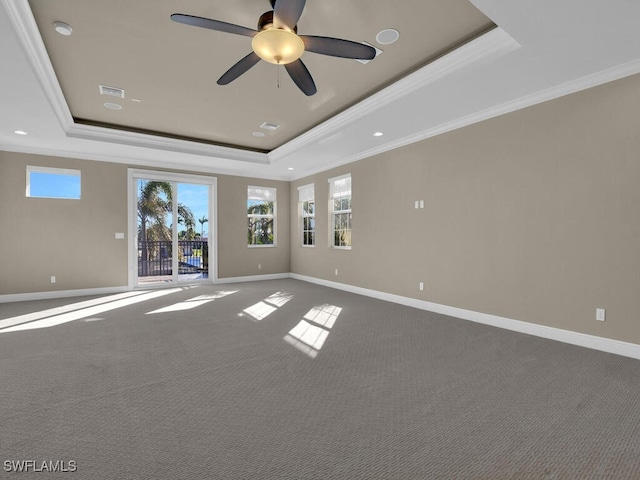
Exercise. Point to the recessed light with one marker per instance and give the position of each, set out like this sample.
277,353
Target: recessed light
63,28
20,132
258,134
113,106
290,169
387,36
378,134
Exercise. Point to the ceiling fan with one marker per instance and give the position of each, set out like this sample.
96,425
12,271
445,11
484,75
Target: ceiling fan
276,41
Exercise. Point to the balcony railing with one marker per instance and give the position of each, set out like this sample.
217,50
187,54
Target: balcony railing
155,258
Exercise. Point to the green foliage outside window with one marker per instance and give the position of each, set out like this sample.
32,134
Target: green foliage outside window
260,222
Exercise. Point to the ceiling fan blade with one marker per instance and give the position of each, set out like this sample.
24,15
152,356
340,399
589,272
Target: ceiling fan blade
337,47
238,69
301,77
287,13
213,24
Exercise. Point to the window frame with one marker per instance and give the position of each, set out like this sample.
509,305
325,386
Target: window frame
52,171
306,195
334,212
272,216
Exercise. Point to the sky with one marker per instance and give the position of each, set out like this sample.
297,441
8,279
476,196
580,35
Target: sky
196,197
50,185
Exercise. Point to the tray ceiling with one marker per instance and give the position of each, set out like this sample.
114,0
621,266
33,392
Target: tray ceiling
169,71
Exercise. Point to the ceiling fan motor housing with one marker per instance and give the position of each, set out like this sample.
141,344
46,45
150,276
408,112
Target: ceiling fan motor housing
266,21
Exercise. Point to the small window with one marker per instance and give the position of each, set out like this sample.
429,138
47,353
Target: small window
340,206
307,207
261,216
46,182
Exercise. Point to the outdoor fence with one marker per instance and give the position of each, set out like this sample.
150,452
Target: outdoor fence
155,258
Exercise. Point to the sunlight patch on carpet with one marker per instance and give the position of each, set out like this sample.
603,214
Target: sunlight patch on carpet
193,302
266,307
89,311
310,334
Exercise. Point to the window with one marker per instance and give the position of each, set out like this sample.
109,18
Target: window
340,205
307,205
261,216
46,182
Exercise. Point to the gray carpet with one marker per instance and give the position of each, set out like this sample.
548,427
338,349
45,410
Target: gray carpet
393,393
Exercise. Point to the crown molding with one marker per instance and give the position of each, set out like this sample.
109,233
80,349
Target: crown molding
191,164
29,38
201,156
489,46
89,132
31,42
557,91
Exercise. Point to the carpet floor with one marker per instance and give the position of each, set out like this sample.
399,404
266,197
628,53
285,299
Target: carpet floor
288,380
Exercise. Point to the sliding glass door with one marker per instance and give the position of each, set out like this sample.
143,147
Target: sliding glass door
193,232
172,234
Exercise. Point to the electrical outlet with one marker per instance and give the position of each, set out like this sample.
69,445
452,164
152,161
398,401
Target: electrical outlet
600,314
421,286
417,204
259,266
53,279
119,236
421,203
336,272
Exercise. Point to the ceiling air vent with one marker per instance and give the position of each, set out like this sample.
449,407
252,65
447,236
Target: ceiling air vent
269,126
111,91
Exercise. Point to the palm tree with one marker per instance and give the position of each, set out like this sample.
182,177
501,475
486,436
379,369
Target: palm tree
202,221
260,227
185,217
155,200
153,208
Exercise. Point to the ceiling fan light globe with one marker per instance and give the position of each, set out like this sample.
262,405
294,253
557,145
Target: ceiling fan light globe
278,46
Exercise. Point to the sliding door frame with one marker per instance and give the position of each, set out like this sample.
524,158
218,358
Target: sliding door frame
134,175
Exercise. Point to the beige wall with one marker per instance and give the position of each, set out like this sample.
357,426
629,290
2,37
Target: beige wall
533,216
236,259
71,239
75,239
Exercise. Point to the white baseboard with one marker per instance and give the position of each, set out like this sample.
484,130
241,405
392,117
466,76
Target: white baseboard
617,347
574,338
253,278
25,297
